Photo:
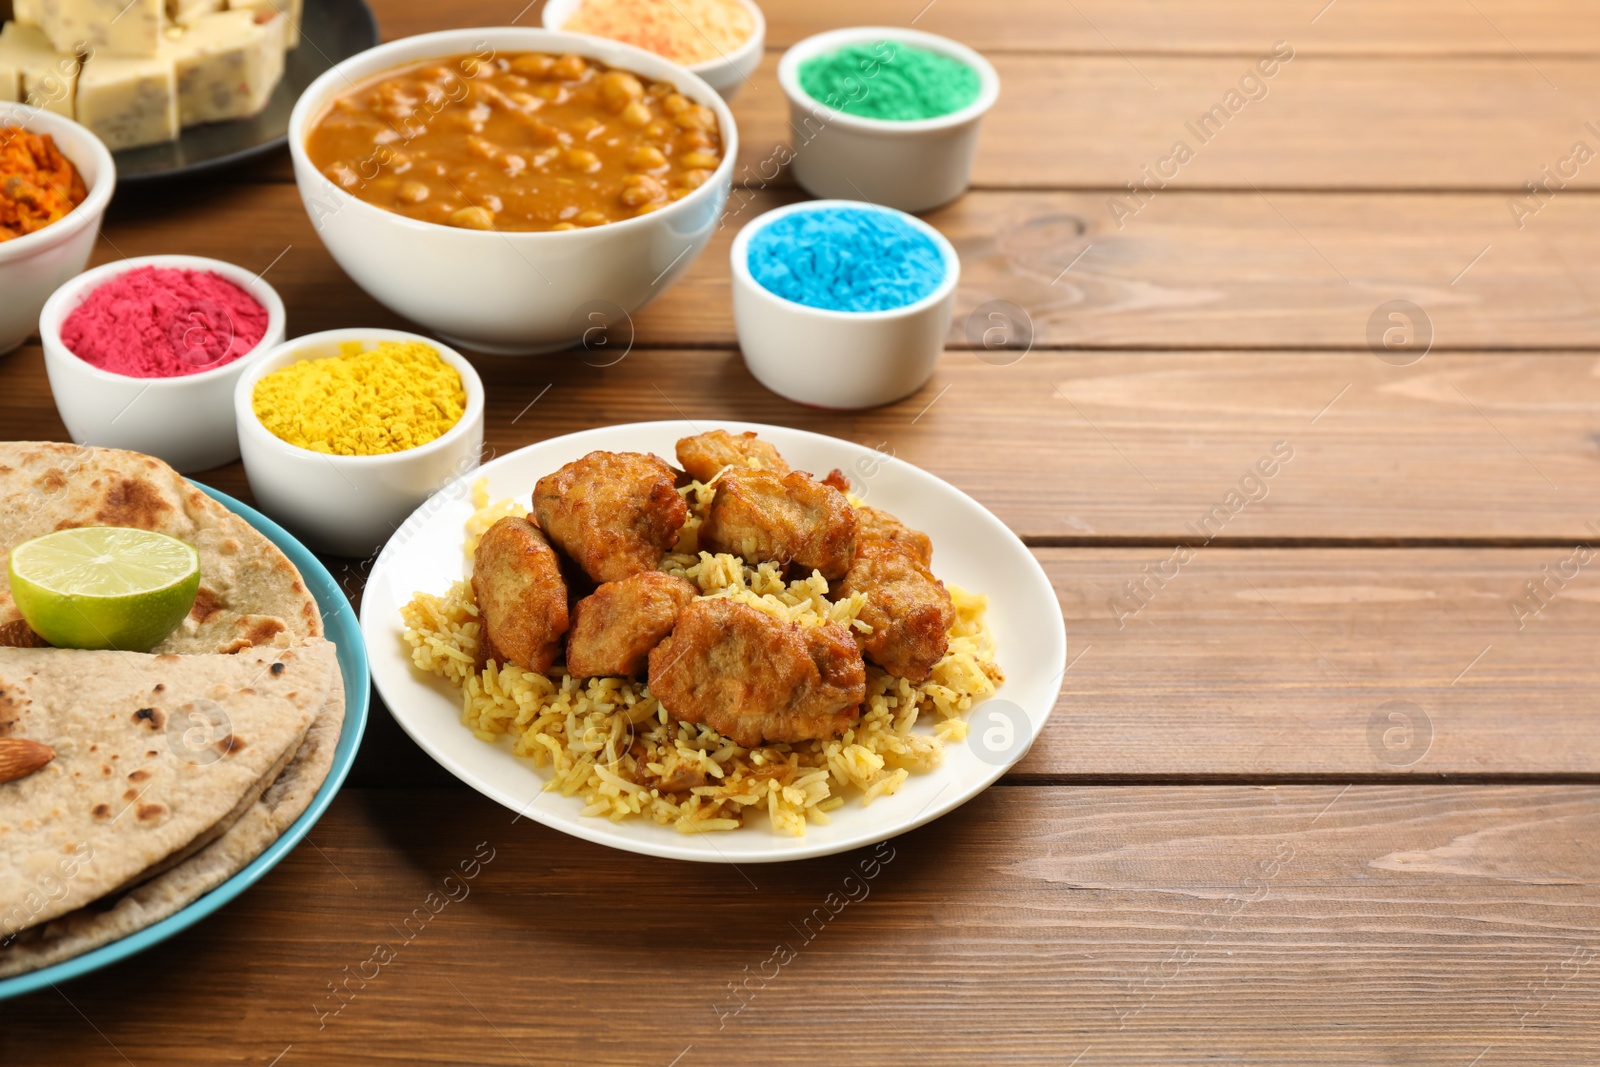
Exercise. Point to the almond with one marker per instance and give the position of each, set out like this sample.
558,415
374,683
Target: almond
20,757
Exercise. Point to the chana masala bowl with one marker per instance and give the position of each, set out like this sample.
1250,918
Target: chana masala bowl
500,186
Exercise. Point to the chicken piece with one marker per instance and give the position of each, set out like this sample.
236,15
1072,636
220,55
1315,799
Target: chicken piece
754,678
615,627
516,581
789,519
908,609
877,523
614,513
703,455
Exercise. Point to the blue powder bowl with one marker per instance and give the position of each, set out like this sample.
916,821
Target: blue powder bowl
846,259
840,304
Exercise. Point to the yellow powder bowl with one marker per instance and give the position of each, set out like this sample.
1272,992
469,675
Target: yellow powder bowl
351,505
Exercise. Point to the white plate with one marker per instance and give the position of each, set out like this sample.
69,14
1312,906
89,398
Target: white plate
972,549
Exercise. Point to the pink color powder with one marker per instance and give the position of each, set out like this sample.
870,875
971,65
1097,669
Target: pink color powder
156,322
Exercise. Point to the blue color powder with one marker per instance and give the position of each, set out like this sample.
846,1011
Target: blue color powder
846,259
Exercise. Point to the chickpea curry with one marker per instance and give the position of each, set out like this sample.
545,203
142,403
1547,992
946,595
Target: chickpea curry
516,142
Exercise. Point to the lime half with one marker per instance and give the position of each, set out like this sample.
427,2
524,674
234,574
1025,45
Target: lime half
104,586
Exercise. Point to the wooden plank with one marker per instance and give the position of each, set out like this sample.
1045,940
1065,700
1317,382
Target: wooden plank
1303,925
1488,27
1067,447
1351,122
1332,122
1258,663
1192,270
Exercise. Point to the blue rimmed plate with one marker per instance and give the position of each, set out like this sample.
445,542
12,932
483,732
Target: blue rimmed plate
339,620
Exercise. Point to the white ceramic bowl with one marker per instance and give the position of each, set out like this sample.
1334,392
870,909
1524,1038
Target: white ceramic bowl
912,166
187,421
32,266
727,74
509,293
839,359
351,505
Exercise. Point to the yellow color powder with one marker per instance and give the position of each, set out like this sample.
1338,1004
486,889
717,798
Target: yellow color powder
397,396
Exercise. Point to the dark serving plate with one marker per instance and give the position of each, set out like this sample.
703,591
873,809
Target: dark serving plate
330,30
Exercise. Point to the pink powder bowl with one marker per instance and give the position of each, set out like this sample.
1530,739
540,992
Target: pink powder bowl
143,354
164,322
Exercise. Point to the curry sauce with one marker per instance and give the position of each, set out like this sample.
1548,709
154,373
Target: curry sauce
518,142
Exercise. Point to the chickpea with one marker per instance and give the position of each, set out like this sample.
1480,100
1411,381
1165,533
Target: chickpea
647,157
563,226
619,88
592,218
635,115
570,68
675,103
533,64
412,192
555,94
654,205
582,159
526,101
696,139
659,130
473,218
693,179
696,118
700,160
641,191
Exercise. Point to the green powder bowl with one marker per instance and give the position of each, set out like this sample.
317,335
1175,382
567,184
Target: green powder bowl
885,114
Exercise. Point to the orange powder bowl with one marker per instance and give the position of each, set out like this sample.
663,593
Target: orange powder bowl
734,58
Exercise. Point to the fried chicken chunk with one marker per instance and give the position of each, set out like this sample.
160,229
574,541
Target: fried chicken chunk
614,513
615,627
703,455
754,678
787,519
908,609
516,581
876,523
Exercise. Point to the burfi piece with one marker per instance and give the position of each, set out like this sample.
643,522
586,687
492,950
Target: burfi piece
115,27
47,80
292,9
188,12
228,64
10,82
28,11
129,102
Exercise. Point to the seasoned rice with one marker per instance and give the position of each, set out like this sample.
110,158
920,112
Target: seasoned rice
610,743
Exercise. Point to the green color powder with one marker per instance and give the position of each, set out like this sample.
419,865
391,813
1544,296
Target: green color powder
888,80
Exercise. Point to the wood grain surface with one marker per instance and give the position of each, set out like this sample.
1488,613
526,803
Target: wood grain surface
1324,778
1143,925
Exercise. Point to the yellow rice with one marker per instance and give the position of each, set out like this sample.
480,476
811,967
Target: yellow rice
610,743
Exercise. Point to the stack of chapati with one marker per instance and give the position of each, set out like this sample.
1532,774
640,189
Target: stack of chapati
170,770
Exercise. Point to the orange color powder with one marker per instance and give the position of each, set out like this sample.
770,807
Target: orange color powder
684,31
38,185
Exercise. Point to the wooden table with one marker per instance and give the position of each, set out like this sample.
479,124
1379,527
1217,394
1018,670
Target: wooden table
1329,795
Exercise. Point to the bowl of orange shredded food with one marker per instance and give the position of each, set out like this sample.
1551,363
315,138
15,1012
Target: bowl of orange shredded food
56,179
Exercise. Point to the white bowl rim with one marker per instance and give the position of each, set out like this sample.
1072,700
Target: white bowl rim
98,195
55,312
740,261
250,423
816,44
755,42
317,94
